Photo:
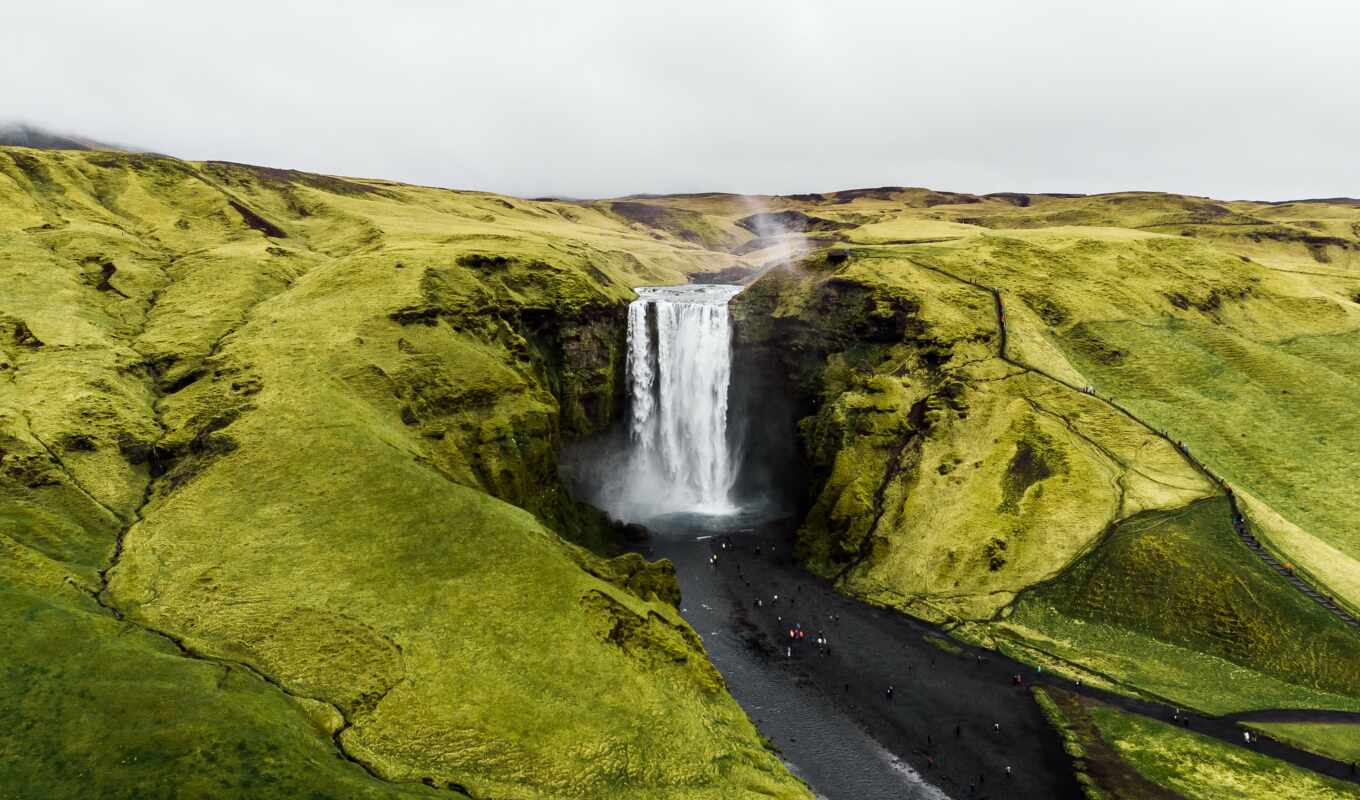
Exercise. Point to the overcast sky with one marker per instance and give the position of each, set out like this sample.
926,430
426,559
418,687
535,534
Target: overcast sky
1232,99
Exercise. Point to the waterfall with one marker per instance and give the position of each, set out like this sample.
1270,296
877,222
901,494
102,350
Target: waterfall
679,366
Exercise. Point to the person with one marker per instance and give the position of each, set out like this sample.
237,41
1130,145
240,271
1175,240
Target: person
890,691
1008,770
996,726
958,731
788,652
1246,737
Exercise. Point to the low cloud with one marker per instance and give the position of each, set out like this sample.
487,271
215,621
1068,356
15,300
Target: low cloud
604,99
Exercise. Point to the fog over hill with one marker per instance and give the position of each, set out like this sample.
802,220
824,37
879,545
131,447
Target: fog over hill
20,134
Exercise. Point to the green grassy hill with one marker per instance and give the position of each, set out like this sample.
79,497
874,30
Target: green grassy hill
968,485
1124,756
279,502
278,466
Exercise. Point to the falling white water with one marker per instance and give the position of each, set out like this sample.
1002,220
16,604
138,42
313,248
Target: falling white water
679,366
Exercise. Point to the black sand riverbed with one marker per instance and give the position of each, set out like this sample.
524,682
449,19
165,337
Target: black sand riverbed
955,720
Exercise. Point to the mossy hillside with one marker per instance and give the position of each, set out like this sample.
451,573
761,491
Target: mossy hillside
944,479
846,345
1072,293
1311,252
1067,268
1199,343
1129,662
96,707
1064,264
521,291
1336,740
474,649
1186,325
1183,579
1179,374
1124,755
687,225
1304,553
1016,479
1319,237
1198,767
547,282
299,433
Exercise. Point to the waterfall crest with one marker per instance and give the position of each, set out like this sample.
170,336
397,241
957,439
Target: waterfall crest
679,367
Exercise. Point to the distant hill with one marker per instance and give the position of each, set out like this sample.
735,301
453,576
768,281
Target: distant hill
18,134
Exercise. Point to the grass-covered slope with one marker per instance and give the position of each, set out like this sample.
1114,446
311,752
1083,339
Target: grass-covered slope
951,475
1336,740
1124,756
285,444
947,479
279,498
1227,633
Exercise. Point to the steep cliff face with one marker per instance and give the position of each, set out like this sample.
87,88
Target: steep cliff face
278,484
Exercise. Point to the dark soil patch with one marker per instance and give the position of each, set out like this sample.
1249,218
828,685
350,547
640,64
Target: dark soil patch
1097,349
24,337
280,178
790,222
1028,466
1048,310
950,199
258,222
877,193
1014,198
36,172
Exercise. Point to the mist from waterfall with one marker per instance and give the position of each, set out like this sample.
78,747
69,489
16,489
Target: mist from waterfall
679,368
